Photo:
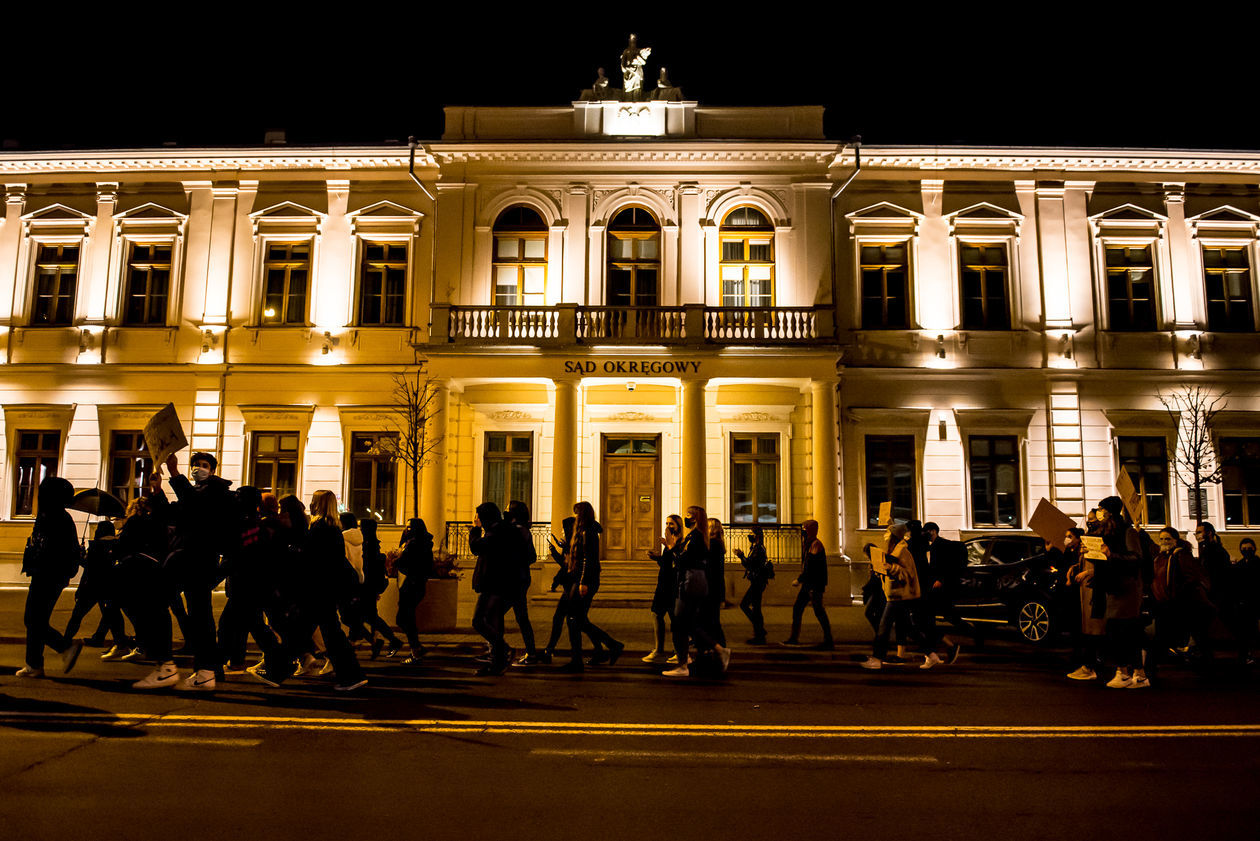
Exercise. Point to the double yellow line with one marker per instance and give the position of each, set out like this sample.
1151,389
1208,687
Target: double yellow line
565,728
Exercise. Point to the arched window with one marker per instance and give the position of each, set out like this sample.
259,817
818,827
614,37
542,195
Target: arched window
747,268
520,257
634,259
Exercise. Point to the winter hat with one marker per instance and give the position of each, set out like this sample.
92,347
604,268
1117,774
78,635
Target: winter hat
1113,504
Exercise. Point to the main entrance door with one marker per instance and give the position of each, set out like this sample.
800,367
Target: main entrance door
631,487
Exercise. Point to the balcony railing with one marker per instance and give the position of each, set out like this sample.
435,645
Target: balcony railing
570,324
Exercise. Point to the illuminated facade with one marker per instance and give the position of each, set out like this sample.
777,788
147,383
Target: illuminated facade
646,305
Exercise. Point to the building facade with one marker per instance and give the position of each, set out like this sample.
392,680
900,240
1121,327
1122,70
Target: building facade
646,305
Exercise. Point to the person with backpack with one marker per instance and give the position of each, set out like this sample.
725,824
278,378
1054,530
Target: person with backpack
51,559
374,584
524,555
415,562
758,570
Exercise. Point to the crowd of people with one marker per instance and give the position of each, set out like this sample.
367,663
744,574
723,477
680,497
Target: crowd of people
304,582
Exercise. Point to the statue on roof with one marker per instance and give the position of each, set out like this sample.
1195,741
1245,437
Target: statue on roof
633,57
665,90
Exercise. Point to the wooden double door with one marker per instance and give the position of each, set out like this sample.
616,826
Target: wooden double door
630,494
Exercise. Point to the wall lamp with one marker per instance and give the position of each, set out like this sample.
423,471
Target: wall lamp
940,347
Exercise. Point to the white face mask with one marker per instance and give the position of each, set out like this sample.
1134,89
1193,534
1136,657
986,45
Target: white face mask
200,474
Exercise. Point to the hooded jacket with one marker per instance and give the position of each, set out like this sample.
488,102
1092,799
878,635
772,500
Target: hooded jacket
53,547
494,544
354,550
813,575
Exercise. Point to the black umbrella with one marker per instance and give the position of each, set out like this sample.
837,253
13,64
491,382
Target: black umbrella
98,503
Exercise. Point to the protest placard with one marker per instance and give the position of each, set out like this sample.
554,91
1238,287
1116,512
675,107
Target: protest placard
1093,548
1050,523
1134,503
885,513
163,434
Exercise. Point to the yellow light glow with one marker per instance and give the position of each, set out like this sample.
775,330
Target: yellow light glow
270,312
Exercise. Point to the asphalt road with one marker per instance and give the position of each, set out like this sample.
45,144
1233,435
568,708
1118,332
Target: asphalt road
791,744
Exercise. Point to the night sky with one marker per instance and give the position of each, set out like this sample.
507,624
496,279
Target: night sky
946,74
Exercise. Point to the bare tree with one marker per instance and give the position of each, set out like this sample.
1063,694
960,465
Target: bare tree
414,405
1195,463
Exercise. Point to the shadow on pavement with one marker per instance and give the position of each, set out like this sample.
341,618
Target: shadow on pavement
99,725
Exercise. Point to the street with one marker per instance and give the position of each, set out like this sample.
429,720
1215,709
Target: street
793,743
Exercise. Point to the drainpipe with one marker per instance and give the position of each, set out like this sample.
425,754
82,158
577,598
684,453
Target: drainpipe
412,143
856,145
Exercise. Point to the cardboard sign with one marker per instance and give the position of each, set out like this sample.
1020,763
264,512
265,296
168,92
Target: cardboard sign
1134,503
885,513
163,434
1050,524
879,563
1093,548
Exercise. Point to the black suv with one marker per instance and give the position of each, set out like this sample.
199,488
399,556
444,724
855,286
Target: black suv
1009,579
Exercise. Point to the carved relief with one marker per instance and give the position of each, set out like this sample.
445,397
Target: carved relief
753,416
630,416
511,415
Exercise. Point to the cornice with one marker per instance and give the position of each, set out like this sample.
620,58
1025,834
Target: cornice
205,160
1028,159
689,152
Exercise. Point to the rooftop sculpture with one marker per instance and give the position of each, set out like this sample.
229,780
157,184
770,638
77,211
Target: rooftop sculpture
632,61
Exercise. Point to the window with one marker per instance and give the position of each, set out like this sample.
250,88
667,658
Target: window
287,269
130,465
35,459
275,462
885,291
1130,287
1240,458
56,275
1146,459
373,475
1227,281
382,283
994,465
747,268
890,474
509,468
984,283
148,284
754,478
520,257
634,259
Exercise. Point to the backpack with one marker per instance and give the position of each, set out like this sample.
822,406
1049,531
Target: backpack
32,553
768,570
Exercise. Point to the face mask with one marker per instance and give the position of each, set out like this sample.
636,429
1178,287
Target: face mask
689,523
200,474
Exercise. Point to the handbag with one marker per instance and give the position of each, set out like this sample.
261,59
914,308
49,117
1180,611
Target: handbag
695,584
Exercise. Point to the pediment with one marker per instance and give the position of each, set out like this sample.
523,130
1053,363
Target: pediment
385,209
286,210
884,211
1225,216
984,212
151,210
1129,213
57,213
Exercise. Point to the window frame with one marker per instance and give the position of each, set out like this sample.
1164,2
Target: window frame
1020,480
254,443
756,458
1152,245
1249,520
1005,245
114,454
375,492
507,457
39,453
1248,248
363,241
265,263
1139,481
38,244
906,243
521,234
868,502
744,234
130,244
635,264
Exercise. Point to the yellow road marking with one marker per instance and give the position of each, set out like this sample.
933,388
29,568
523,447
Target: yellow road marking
732,757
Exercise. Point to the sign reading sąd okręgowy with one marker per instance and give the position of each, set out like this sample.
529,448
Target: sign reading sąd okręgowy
591,367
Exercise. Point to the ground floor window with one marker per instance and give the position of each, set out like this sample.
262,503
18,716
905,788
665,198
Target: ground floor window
34,460
754,478
130,465
1146,459
274,462
509,468
994,467
1240,458
374,475
890,471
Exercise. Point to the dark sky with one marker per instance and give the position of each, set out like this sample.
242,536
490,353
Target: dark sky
372,72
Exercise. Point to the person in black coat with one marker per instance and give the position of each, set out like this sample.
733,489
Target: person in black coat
374,584
51,559
758,570
523,555
496,580
812,581
95,587
584,571
249,573
692,557
664,596
940,579
560,581
415,562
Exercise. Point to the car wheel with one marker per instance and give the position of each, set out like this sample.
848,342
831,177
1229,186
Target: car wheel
1033,621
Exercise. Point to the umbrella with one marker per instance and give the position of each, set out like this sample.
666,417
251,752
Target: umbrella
98,503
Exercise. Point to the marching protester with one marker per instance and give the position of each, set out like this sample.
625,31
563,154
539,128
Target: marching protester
663,595
373,627
495,581
1243,608
1088,632
96,588
693,591
524,555
584,570
812,581
51,559
250,587
758,570
945,560
715,576
1119,573
415,562
560,581
901,589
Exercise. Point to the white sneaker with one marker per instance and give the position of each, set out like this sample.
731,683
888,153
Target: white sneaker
30,671
931,660
677,671
163,676
1139,681
672,659
1082,673
1120,681
114,653
201,680
872,663
654,656
724,654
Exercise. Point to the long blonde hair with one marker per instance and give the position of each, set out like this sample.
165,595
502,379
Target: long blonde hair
701,523
324,507
671,539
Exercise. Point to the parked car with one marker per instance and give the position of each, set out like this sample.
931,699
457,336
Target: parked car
1010,579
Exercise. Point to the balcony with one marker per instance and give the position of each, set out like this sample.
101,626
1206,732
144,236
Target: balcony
571,324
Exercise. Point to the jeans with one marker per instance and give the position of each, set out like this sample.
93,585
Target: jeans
751,605
896,612
488,621
815,598
41,598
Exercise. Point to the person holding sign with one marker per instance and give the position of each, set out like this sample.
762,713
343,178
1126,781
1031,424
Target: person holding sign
1087,637
900,576
1117,568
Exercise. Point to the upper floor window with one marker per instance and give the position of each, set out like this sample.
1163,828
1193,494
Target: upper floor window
754,478
1240,480
983,270
1227,282
287,270
747,259
382,283
994,468
34,459
885,272
520,257
1130,287
148,284
373,475
634,259
130,465
56,276
890,472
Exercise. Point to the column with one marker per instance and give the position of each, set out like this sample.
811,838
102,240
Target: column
692,484
10,240
433,476
564,436
572,286
1055,292
826,508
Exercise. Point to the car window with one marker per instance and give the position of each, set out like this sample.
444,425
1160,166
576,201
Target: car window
1009,551
976,552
